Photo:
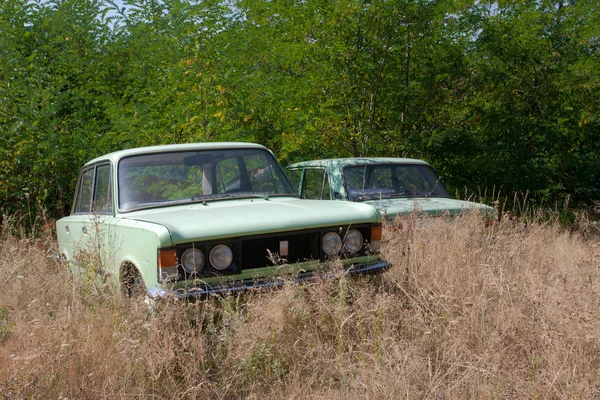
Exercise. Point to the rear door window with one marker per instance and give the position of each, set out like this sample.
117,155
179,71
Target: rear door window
84,193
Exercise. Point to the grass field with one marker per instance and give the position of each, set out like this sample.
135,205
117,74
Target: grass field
466,311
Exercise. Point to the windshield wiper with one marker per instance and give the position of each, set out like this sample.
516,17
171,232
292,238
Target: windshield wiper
408,193
377,196
260,195
233,195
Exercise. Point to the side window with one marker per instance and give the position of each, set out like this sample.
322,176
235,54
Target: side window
294,175
84,194
102,203
315,185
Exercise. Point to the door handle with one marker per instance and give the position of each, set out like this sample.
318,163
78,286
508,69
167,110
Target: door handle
67,228
84,230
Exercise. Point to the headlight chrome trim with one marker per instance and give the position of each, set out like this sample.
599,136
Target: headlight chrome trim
221,257
353,241
331,243
192,260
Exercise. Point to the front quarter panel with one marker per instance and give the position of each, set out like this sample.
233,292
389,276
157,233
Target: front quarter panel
110,244
137,243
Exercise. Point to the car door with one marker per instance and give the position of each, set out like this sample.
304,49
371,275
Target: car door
79,234
72,230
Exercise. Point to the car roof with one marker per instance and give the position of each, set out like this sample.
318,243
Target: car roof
115,156
344,162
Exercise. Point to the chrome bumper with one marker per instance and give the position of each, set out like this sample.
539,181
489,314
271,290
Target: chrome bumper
239,286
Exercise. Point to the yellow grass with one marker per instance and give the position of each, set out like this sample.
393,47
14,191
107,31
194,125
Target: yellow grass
466,311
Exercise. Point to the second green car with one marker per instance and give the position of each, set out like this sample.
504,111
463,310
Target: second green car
395,186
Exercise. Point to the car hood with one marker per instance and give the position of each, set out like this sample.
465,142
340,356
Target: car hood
434,206
240,217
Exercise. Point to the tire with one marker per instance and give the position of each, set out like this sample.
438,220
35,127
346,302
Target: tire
134,290
132,284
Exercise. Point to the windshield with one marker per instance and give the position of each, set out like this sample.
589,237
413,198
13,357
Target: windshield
379,181
165,178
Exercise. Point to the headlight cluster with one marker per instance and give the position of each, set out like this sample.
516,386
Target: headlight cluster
193,260
333,242
221,257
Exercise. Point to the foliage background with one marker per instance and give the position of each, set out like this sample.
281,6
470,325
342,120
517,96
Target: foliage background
497,95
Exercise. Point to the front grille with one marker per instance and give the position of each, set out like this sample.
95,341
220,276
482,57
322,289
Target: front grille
302,246
259,251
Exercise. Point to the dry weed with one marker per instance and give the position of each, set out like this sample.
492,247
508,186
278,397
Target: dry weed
467,310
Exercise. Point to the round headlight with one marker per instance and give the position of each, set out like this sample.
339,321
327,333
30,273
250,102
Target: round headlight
332,243
221,257
353,241
192,260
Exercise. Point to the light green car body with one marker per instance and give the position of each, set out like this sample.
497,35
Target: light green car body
335,188
117,239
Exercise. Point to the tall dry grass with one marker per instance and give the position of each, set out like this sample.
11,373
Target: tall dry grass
507,311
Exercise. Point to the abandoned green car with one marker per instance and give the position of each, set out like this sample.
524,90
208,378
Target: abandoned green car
395,186
194,219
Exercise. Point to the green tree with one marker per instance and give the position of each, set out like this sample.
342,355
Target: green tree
519,121
51,98
493,94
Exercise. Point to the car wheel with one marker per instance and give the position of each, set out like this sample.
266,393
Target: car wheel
138,288
134,290
132,283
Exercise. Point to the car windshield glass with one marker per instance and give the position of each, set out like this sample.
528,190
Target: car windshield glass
157,179
379,181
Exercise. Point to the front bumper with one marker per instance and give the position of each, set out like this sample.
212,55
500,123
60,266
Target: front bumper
206,289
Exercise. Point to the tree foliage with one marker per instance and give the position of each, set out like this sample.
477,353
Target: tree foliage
492,93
